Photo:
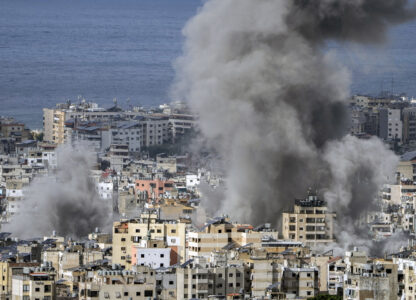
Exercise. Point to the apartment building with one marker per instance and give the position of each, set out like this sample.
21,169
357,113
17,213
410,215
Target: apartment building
118,284
407,166
54,119
180,124
34,284
371,280
301,282
409,124
199,280
391,125
7,270
265,273
54,125
126,133
153,188
220,232
155,130
310,222
130,233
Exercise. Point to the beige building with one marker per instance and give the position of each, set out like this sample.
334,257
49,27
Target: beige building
220,232
129,233
198,280
54,125
265,273
34,284
119,284
310,222
7,270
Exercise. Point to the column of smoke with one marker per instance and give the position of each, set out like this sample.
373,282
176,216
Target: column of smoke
273,103
66,201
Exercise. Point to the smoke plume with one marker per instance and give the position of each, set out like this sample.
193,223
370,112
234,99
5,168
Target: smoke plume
66,201
273,103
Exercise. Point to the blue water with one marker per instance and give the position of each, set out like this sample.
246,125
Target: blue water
53,50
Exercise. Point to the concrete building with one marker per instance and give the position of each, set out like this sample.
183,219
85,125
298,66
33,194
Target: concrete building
53,125
180,124
375,280
117,284
153,188
34,284
152,257
409,125
198,279
391,125
54,119
310,222
220,232
407,166
7,270
129,233
300,282
126,133
265,273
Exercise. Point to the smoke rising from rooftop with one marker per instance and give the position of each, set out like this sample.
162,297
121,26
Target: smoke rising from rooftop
66,202
274,104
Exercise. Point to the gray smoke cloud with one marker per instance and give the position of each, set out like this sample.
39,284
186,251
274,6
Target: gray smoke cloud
65,201
273,103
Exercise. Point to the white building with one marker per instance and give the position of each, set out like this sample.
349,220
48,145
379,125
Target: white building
192,181
152,257
105,189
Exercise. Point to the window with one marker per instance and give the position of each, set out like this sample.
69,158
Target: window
48,289
37,289
26,298
142,255
25,288
173,231
138,293
171,282
148,293
162,255
126,293
123,239
106,295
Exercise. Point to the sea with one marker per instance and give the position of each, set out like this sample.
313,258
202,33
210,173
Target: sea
100,50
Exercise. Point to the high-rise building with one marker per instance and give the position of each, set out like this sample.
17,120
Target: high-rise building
309,222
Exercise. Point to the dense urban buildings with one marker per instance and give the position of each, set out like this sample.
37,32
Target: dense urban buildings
162,244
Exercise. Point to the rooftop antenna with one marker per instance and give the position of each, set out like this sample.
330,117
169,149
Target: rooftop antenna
115,101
